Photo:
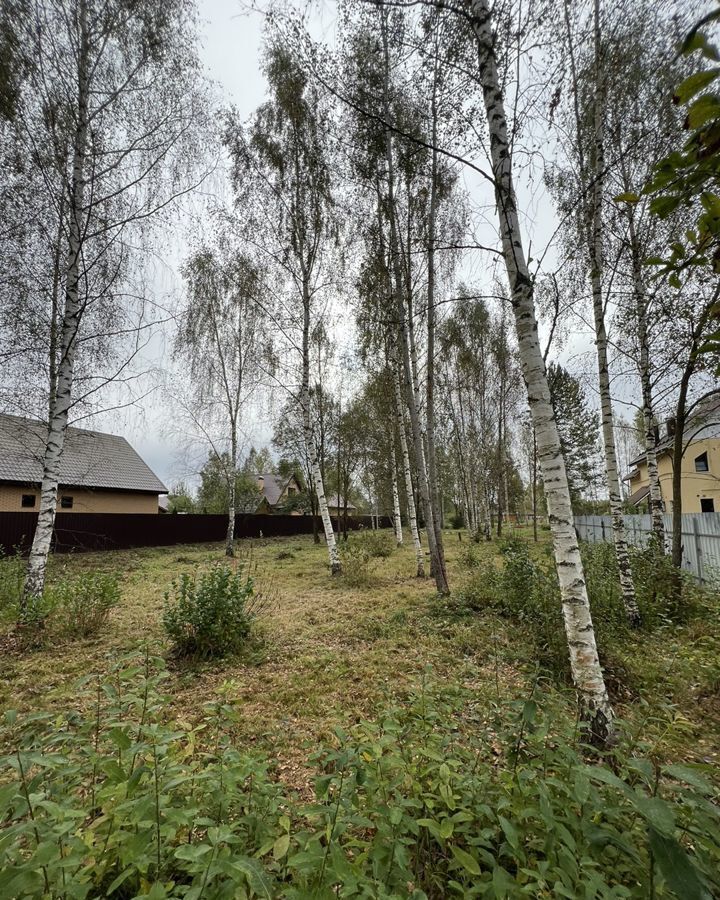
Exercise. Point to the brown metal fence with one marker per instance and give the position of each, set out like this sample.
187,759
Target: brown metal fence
118,531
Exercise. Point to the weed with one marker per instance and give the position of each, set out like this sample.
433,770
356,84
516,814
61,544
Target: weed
117,802
377,544
83,604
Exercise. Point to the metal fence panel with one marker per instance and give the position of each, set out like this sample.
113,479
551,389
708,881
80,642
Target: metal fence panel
117,531
700,538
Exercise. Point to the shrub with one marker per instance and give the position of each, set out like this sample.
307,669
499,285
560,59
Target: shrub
118,802
83,603
209,615
470,556
12,579
524,589
378,544
357,563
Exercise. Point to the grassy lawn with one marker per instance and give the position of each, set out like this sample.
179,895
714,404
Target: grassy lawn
328,653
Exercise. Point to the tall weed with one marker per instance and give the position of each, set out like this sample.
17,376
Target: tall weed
435,798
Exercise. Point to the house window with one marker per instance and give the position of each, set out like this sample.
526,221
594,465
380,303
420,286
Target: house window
28,501
707,504
66,502
701,463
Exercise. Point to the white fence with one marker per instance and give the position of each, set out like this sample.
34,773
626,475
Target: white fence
700,534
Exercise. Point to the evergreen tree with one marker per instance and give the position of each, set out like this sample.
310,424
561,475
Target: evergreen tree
579,429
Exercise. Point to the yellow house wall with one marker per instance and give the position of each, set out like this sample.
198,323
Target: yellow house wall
84,500
695,485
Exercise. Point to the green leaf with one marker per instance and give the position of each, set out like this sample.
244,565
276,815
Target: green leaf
702,111
511,832
469,863
281,846
255,875
627,197
119,880
529,711
695,83
119,738
446,828
676,867
685,773
657,813
664,205
192,852
696,40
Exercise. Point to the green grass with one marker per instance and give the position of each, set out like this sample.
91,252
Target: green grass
328,654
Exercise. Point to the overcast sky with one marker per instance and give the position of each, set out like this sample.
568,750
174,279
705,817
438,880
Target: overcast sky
231,44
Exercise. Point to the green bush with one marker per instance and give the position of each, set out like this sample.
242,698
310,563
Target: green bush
377,544
470,556
432,800
12,579
357,563
209,615
83,604
524,589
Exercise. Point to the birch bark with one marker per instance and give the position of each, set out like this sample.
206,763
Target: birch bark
431,319
310,446
584,662
232,486
396,501
62,396
595,247
410,496
437,563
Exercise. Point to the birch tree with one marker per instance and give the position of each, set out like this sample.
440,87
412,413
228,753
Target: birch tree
106,114
589,116
281,176
221,337
584,662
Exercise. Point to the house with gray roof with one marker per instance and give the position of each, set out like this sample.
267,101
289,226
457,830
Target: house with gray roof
99,473
276,493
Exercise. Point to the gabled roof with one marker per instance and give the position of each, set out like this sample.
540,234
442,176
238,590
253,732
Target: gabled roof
90,459
702,424
274,485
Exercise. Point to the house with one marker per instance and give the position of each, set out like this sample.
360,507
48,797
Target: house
99,473
700,471
336,506
277,491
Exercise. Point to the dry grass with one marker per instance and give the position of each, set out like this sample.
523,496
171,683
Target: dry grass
327,653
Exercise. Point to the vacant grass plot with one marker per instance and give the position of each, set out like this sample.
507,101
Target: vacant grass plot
369,739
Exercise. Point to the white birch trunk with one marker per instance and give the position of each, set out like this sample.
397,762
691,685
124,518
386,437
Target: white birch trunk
584,662
232,484
396,502
641,302
310,445
437,563
410,496
595,247
72,314
435,503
